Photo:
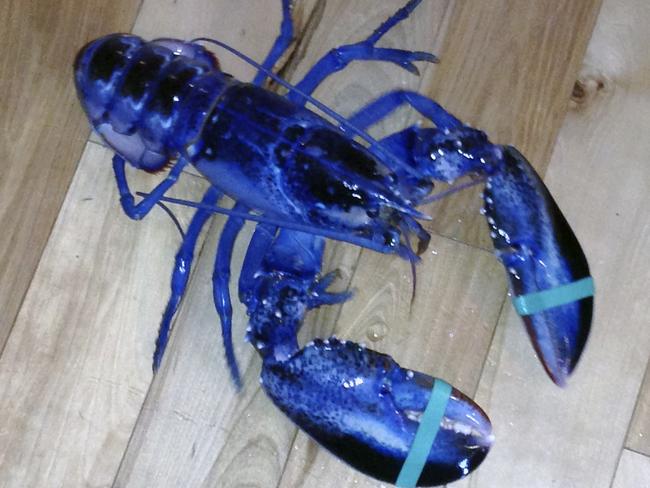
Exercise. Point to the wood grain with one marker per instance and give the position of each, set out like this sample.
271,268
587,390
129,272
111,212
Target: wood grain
77,365
573,437
42,129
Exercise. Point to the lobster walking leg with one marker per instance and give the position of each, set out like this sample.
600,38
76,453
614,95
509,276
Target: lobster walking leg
181,272
259,244
141,209
220,287
221,273
389,102
338,58
280,45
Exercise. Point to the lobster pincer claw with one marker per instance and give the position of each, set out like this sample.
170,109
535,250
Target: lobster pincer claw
319,295
373,414
547,269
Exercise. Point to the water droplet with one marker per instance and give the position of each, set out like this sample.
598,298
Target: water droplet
377,331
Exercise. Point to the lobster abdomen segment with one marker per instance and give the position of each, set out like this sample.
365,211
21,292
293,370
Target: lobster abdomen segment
366,409
148,100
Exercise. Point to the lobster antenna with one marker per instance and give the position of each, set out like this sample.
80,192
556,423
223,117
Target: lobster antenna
286,224
173,217
344,123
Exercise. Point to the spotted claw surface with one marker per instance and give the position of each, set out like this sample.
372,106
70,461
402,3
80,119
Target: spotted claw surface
540,251
364,408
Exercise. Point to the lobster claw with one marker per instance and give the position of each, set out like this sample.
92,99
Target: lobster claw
364,408
547,269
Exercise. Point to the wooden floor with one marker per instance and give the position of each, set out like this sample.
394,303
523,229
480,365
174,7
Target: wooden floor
82,288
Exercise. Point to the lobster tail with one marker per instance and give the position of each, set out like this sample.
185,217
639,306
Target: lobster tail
148,100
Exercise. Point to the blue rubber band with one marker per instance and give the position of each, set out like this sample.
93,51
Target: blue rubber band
425,435
533,303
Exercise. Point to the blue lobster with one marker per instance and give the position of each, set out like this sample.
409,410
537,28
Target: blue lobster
303,178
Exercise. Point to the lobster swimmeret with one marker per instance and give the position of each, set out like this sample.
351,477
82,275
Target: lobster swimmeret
304,178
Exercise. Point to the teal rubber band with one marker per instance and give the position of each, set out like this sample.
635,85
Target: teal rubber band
425,435
533,303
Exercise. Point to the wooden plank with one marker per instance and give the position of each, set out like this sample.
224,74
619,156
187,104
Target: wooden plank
573,437
638,435
633,470
57,394
77,365
508,68
42,129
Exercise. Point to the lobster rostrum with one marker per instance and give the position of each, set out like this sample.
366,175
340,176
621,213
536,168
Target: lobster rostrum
167,103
